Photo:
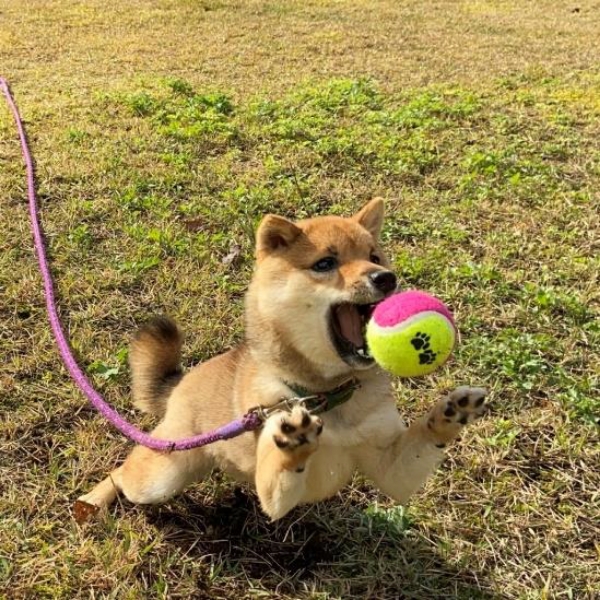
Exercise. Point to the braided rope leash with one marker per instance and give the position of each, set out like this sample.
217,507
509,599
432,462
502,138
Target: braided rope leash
249,422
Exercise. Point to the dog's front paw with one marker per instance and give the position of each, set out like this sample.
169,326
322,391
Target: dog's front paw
298,429
296,435
459,408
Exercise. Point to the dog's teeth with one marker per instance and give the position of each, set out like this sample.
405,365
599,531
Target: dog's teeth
364,352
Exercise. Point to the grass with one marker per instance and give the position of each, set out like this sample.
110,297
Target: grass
151,186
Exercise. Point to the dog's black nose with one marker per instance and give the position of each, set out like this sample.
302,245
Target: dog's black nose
384,281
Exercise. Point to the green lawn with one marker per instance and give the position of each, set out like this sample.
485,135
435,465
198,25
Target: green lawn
162,131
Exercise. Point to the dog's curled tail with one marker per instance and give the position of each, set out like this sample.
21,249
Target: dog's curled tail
154,358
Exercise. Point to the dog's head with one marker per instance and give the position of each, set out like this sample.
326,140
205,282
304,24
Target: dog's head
317,282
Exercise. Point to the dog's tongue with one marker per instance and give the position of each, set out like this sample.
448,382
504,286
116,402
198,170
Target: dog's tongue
350,324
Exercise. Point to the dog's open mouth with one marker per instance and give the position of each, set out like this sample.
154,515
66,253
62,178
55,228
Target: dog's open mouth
347,324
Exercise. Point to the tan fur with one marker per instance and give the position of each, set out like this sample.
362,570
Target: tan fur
289,461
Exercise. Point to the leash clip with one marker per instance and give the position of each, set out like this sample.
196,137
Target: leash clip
317,408
264,412
288,404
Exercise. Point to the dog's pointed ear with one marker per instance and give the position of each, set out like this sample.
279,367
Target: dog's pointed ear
370,216
275,233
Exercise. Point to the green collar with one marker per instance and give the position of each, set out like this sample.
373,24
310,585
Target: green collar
321,402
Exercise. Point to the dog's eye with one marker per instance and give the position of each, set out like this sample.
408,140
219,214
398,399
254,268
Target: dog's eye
375,259
325,264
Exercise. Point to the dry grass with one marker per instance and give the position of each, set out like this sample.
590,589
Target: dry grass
162,131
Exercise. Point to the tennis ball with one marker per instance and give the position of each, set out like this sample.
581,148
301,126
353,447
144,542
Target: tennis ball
411,334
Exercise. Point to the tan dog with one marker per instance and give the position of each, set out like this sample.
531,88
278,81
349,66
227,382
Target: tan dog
312,291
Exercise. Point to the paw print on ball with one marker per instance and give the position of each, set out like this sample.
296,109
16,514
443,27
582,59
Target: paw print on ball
427,358
421,344
421,340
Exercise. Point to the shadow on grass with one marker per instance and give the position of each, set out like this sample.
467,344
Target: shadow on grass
335,547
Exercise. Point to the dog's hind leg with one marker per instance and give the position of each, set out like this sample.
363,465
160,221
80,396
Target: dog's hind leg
151,477
284,448
402,468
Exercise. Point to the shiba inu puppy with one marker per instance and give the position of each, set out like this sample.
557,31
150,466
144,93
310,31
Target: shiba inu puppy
312,291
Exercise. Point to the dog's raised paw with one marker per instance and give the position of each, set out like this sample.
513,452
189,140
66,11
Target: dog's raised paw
298,429
459,408
465,404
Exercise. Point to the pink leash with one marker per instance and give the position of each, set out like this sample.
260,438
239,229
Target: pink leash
249,422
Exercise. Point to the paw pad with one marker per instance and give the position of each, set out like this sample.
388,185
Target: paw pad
296,429
461,407
464,405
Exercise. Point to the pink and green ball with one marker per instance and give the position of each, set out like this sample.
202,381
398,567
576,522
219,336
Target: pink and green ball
411,334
